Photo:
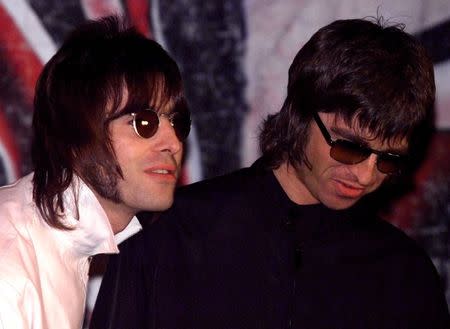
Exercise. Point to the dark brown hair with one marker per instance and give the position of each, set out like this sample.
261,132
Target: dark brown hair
78,92
355,68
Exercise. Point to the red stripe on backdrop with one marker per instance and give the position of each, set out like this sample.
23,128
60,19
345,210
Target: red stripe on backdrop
139,14
24,63
8,141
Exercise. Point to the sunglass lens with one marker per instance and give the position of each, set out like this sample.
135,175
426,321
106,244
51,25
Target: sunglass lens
348,153
390,164
146,123
181,122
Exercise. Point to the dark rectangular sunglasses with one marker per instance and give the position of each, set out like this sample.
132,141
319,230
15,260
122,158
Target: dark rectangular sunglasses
146,123
350,153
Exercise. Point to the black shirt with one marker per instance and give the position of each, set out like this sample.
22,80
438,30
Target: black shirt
234,252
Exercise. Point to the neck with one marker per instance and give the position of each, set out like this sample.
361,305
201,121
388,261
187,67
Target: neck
119,215
292,185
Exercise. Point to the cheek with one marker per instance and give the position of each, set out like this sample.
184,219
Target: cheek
380,179
126,143
179,156
122,152
318,155
129,156
327,167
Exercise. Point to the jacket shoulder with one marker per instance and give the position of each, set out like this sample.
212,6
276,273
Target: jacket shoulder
235,182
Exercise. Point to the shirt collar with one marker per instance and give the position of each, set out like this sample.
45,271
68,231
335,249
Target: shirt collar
91,232
131,229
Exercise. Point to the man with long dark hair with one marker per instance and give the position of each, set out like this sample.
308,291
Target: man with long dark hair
110,118
288,242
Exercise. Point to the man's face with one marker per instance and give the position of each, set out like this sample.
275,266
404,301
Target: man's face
336,185
150,168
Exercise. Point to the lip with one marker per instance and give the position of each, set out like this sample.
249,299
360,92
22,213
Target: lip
162,172
348,190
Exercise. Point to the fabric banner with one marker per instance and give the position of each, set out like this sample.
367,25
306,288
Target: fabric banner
234,56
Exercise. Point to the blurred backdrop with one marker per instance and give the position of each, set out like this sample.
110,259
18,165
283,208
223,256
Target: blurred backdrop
234,56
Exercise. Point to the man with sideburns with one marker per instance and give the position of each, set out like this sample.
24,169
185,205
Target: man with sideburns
289,242
109,121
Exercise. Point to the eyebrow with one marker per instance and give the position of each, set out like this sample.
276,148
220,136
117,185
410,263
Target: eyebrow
346,134
133,108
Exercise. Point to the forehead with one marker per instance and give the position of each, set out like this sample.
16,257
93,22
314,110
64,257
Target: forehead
338,125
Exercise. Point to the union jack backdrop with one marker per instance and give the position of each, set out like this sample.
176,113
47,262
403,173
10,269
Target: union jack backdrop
234,57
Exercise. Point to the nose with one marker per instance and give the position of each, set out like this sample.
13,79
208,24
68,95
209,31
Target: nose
366,171
167,140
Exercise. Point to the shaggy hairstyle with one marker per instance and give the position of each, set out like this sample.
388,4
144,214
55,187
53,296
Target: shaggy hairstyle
79,92
377,75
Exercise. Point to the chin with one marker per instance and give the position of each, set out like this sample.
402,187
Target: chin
339,204
162,206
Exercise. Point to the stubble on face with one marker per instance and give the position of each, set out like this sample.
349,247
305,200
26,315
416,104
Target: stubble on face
104,182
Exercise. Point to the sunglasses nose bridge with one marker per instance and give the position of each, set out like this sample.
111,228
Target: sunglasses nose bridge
169,118
168,139
148,122
366,170
170,121
385,166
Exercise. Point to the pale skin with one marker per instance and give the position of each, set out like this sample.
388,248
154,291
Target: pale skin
336,185
150,168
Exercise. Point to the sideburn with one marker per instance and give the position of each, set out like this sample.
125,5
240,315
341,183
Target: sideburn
103,181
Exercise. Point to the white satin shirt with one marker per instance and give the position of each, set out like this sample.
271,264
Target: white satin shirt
44,271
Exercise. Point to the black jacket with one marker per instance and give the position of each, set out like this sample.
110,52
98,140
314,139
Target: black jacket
234,252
